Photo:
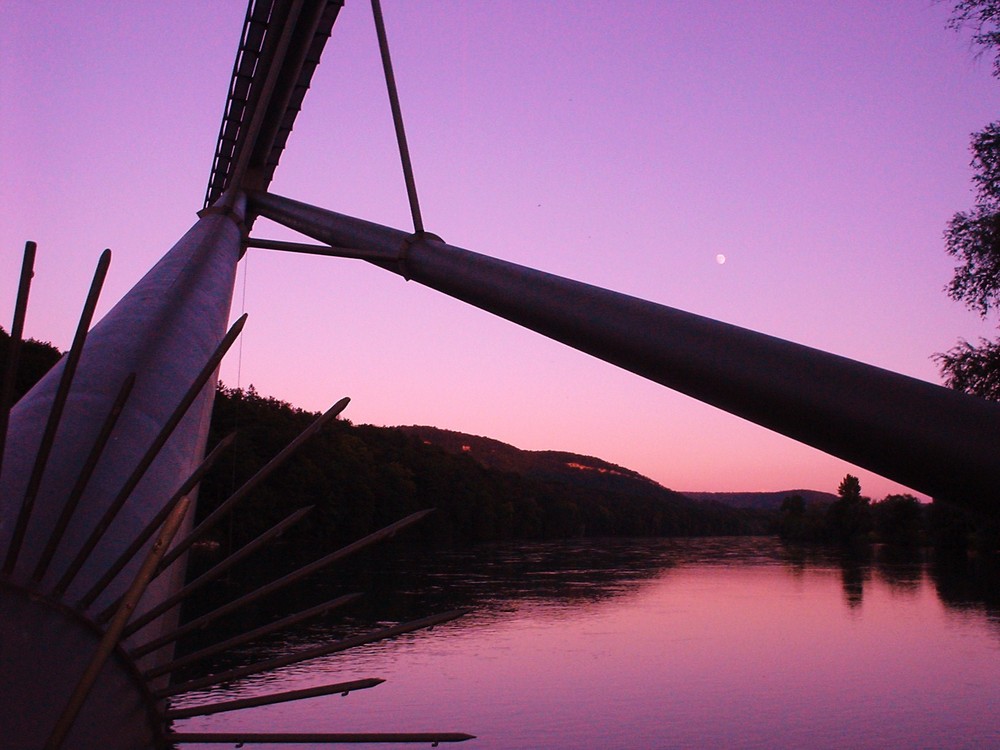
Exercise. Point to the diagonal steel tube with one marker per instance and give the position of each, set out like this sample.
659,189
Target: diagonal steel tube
301,247
397,117
151,452
933,439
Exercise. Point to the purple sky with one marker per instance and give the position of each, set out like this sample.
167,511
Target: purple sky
821,147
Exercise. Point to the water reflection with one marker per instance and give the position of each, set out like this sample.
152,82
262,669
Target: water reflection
402,584
660,643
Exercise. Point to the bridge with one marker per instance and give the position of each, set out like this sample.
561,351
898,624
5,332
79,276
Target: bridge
101,460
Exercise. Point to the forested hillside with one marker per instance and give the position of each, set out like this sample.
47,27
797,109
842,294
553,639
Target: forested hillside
360,477
763,500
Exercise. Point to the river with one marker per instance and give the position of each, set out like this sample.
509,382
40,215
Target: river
677,643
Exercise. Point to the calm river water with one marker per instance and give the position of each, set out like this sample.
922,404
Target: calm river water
733,643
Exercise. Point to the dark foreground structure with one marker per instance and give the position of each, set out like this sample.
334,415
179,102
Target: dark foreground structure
101,460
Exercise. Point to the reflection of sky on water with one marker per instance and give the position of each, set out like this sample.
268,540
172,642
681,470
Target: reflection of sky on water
674,643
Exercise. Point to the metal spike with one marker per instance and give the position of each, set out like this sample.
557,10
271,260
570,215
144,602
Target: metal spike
323,738
212,574
266,700
291,578
238,640
168,427
55,415
310,653
14,347
85,474
215,516
113,633
189,485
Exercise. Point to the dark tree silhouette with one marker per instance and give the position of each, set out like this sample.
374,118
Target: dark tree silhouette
983,18
37,357
973,369
973,236
898,520
849,517
849,488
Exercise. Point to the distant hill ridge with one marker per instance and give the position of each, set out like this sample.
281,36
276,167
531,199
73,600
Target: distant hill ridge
588,471
362,477
561,466
761,500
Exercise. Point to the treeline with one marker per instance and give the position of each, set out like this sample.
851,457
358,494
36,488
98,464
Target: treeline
897,520
361,477
36,358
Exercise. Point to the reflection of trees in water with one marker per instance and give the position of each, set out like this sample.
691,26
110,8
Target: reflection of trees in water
494,576
962,581
493,580
403,583
902,568
854,573
569,572
966,582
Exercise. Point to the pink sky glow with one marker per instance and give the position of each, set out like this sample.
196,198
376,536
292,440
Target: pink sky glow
820,147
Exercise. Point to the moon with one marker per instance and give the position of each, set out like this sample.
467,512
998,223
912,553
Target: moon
720,259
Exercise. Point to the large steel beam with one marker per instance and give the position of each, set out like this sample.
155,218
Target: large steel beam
164,330
933,439
280,47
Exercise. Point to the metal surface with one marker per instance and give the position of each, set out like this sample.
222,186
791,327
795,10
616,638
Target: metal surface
118,715
933,439
301,247
193,392
256,58
187,488
251,635
71,361
342,688
320,738
73,499
164,330
112,635
14,343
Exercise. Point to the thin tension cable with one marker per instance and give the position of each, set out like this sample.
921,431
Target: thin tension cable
397,118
